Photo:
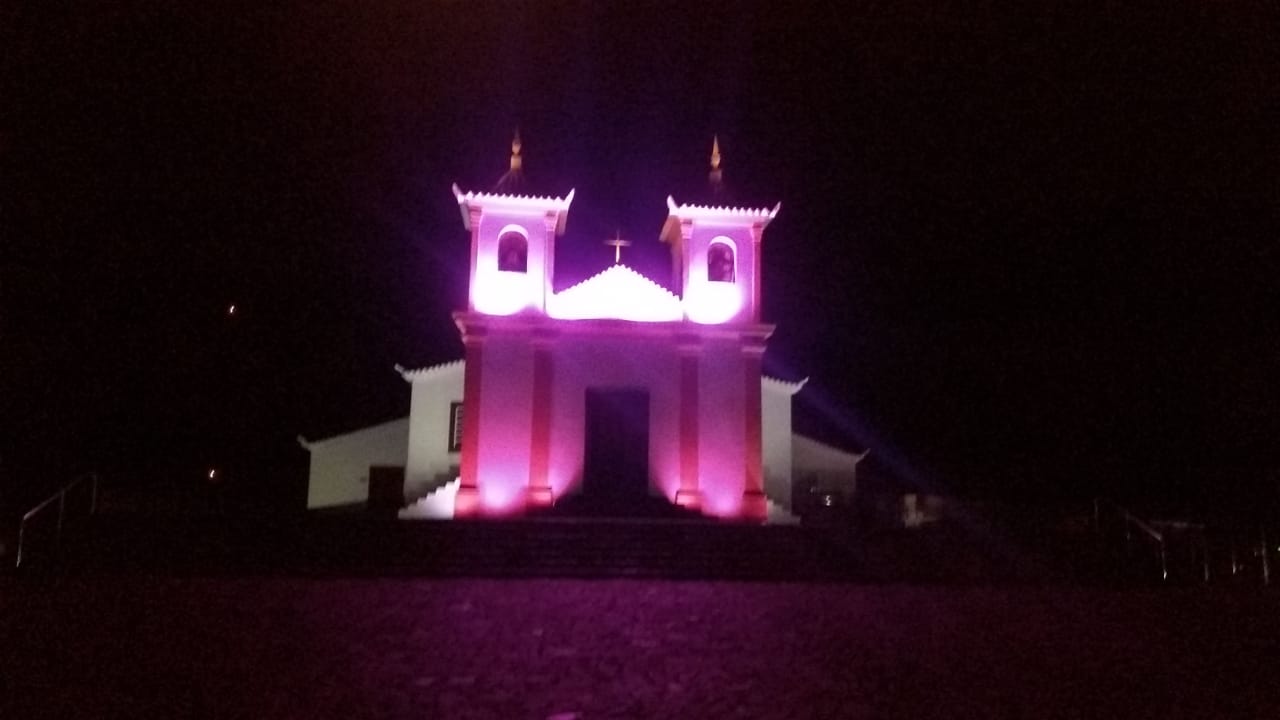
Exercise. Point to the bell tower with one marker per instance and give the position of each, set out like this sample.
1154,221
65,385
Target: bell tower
512,243
715,254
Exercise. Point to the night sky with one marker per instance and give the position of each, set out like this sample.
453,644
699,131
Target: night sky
1027,250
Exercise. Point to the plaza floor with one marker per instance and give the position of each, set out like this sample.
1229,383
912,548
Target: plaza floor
89,646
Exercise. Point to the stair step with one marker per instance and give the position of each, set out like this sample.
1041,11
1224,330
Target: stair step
561,548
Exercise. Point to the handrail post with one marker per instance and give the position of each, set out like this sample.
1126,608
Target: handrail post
61,497
1266,562
22,536
62,511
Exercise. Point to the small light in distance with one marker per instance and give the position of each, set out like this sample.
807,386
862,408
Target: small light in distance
231,309
213,473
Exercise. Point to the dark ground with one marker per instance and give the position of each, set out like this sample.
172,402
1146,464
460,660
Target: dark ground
117,646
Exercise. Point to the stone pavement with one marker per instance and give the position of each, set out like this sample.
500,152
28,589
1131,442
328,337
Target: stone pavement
282,647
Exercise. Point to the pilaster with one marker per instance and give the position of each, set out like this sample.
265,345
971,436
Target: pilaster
686,238
474,216
549,221
754,503
690,352
539,493
467,503
757,234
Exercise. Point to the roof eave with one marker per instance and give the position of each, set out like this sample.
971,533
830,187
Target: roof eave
521,203
791,388
431,371
736,215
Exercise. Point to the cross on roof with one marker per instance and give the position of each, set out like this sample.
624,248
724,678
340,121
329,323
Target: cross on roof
617,243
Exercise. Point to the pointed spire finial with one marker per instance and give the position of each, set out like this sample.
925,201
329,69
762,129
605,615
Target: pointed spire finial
515,151
715,175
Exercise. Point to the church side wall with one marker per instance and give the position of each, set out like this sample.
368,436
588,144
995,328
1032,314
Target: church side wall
776,412
829,467
340,465
429,462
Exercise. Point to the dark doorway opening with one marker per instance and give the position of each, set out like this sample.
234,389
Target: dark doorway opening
617,445
386,489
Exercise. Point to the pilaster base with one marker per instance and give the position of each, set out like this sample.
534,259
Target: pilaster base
538,497
691,499
467,502
755,507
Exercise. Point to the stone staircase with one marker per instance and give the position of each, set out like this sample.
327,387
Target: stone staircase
365,545
609,547
436,505
584,541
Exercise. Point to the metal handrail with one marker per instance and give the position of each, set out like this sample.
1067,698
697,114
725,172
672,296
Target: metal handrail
1132,520
61,497
1144,526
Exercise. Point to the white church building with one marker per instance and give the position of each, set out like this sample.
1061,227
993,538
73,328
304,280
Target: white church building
614,389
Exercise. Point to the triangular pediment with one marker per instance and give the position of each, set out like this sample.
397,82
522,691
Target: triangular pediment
619,293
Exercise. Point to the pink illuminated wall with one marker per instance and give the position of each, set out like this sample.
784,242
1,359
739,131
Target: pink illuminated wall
617,330
496,292
587,362
488,218
506,407
609,359
713,303
720,425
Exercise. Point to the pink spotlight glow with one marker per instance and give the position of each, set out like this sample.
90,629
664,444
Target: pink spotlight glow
501,497
501,293
711,303
720,501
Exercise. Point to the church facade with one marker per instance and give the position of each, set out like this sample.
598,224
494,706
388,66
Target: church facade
615,388
615,385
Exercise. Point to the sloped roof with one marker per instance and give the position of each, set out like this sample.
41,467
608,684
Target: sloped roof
784,386
707,211
430,371
619,293
719,214
518,203
811,455
391,426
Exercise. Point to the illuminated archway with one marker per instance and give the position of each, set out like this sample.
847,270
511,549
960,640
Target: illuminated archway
513,252
721,264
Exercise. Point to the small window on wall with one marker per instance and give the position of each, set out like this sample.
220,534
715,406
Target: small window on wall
513,253
455,427
720,263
